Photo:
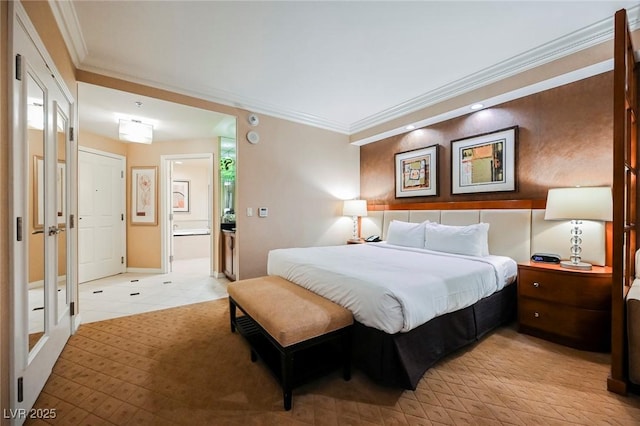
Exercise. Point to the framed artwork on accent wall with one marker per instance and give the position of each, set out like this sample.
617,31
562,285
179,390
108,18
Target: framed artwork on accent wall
144,190
180,195
484,163
417,172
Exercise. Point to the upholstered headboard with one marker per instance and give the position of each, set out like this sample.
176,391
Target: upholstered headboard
517,233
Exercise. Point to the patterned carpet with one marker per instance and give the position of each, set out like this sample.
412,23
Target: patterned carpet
182,366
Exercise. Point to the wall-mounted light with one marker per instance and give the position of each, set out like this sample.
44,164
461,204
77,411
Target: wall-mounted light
476,106
410,127
135,131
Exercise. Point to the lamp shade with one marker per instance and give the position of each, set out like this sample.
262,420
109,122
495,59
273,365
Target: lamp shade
579,203
354,208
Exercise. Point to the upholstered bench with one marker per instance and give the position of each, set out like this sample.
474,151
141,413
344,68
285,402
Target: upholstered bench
296,322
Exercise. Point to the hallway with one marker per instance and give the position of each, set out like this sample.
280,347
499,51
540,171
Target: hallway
134,293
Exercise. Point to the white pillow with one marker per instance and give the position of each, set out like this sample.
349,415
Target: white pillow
406,234
472,240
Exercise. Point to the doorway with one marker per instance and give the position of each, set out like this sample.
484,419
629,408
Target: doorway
101,208
187,198
43,247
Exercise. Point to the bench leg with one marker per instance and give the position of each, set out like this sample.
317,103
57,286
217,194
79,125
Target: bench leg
346,355
286,361
232,315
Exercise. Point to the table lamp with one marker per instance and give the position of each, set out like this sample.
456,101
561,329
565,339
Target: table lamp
355,209
578,204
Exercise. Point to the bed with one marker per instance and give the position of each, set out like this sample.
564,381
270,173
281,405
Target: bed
409,309
633,319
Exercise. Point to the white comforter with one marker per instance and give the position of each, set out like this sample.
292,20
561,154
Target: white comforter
393,288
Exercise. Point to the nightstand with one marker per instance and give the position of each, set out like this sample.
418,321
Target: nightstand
566,306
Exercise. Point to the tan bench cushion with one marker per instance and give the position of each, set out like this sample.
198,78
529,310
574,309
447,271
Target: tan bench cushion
288,312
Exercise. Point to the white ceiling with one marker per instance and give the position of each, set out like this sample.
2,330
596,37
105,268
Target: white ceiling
344,66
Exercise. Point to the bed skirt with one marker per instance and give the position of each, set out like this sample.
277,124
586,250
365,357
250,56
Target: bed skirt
401,359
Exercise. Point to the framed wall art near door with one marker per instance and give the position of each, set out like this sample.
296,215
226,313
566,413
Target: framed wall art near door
180,195
484,163
417,172
144,200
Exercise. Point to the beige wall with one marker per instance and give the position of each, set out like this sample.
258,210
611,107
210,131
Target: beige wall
300,174
101,143
144,242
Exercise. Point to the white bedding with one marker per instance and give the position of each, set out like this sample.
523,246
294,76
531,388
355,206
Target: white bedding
393,288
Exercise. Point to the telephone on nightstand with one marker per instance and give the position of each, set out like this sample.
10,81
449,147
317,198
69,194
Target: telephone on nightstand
373,239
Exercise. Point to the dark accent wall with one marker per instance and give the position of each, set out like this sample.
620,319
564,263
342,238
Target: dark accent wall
565,139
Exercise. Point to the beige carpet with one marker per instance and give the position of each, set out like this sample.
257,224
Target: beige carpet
183,366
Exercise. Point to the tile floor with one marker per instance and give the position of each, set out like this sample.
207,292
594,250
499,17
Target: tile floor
134,293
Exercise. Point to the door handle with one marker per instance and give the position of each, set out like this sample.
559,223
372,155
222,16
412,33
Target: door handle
54,230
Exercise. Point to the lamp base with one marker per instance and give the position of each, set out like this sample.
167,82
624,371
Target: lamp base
584,266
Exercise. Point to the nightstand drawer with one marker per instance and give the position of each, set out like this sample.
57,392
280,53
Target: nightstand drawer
566,288
581,328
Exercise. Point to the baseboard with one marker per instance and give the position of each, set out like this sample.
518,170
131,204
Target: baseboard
77,320
616,386
145,270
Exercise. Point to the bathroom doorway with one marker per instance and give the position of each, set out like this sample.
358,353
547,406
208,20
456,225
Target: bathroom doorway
188,202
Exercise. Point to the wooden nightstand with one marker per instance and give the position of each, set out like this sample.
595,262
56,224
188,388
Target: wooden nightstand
566,306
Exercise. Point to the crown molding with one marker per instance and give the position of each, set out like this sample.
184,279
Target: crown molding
577,41
551,83
65,15
584,38
229,99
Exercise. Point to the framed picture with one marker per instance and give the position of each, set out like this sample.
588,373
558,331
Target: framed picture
144,190
484,163
417,172
180,195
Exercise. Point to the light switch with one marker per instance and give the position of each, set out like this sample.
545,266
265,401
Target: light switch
249,211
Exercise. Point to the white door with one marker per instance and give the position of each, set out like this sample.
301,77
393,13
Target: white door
42,238
101,199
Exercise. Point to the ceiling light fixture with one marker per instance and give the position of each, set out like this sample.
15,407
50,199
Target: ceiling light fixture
410,127
476,106
135,131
